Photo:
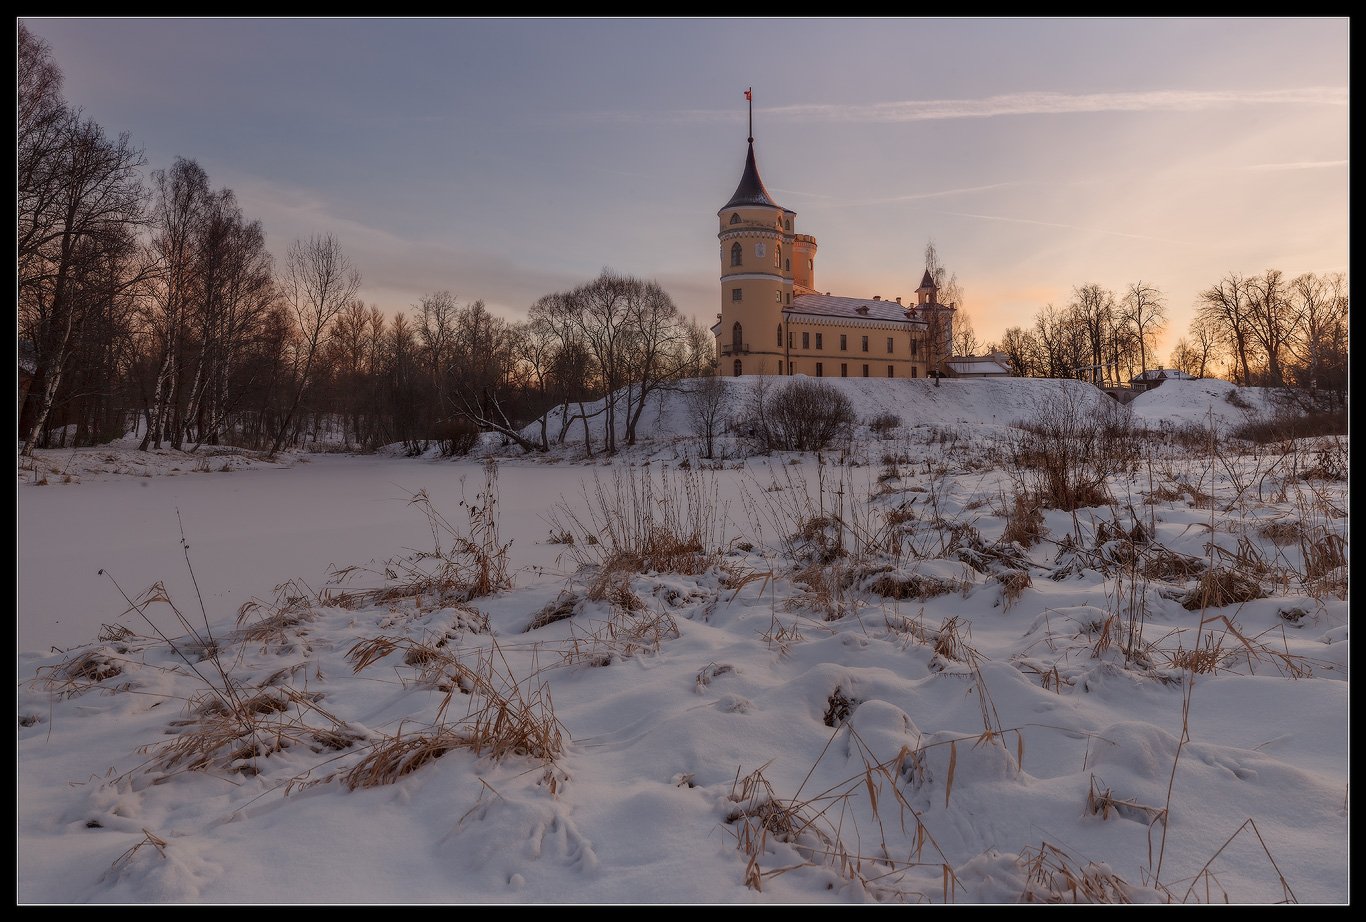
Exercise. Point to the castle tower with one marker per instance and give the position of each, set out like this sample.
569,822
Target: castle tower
760,255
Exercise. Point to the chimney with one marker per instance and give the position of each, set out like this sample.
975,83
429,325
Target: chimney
877,297
898,299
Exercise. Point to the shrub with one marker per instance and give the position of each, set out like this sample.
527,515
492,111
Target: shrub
804,415
456,436
1066,451
883,424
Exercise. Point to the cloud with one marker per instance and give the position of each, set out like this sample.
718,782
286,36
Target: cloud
1296,165
1089,230
921,110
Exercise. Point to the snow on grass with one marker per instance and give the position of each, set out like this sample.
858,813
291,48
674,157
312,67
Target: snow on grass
815,681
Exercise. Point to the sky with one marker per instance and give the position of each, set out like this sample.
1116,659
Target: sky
505,159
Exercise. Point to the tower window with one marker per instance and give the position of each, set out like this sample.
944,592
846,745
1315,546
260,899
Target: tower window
789,225
737,294
778,296
890,346
736,255
810,265
819,343
789,339
915,372
806,340
780,336
737,368
820,370
787,265
915,349
890,372
737,338
778,256
787,298
735,218
844,342
865,349
844,369
865,371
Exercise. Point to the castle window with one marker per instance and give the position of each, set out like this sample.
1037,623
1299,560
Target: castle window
890,372
789,225
806,340
736,255
780,336
810,265
778,296
735,218
819,344
890,347
778,256
844,369
737,338
865,371
737,368
789,339
915,372
915,349
737,294
820,370
865,349
788,298
787,265
844,342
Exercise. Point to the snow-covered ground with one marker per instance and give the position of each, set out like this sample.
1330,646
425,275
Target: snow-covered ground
895,704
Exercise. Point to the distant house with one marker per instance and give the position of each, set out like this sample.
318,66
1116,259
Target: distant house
1154,377
991,365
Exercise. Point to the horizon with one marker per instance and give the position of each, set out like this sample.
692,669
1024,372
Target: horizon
505,159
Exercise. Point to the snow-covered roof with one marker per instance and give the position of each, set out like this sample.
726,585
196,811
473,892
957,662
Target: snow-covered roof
976,365
852,309
1161,374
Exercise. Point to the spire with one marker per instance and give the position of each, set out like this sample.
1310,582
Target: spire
927,283
751,190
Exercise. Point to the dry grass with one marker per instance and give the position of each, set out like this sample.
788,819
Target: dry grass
1053,876
501,719
629,632
463,564
1013,584
84,671
564,606
1103,803
1218,587
1024,521
838,707
892,585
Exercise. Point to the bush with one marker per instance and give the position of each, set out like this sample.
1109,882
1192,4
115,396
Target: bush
883,424
456,436
1065,453
804,415
1289,423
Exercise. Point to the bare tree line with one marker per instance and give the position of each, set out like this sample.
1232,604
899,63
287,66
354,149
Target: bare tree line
153,306
1260,330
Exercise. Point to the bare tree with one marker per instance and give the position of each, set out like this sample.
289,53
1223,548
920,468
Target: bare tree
1023,352
1273,321
91,210
319,282
1146,315
705,399
1224,310
1321,304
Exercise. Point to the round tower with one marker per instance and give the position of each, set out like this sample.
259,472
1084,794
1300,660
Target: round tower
757,260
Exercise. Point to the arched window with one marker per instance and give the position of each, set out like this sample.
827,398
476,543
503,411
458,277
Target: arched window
736,255
780,336
778,256
737,368
789,225
737,338
735,218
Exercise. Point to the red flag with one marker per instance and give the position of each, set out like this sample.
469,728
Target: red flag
749,94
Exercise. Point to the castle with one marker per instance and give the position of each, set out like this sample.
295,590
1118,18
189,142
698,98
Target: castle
773,321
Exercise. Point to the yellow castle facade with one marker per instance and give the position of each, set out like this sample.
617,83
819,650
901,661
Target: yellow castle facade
773,320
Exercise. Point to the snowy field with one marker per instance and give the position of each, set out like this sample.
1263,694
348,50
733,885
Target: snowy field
877,675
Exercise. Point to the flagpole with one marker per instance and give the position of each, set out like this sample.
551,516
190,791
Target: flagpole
749,97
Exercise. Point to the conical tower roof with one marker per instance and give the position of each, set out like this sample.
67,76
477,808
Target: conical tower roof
751,190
